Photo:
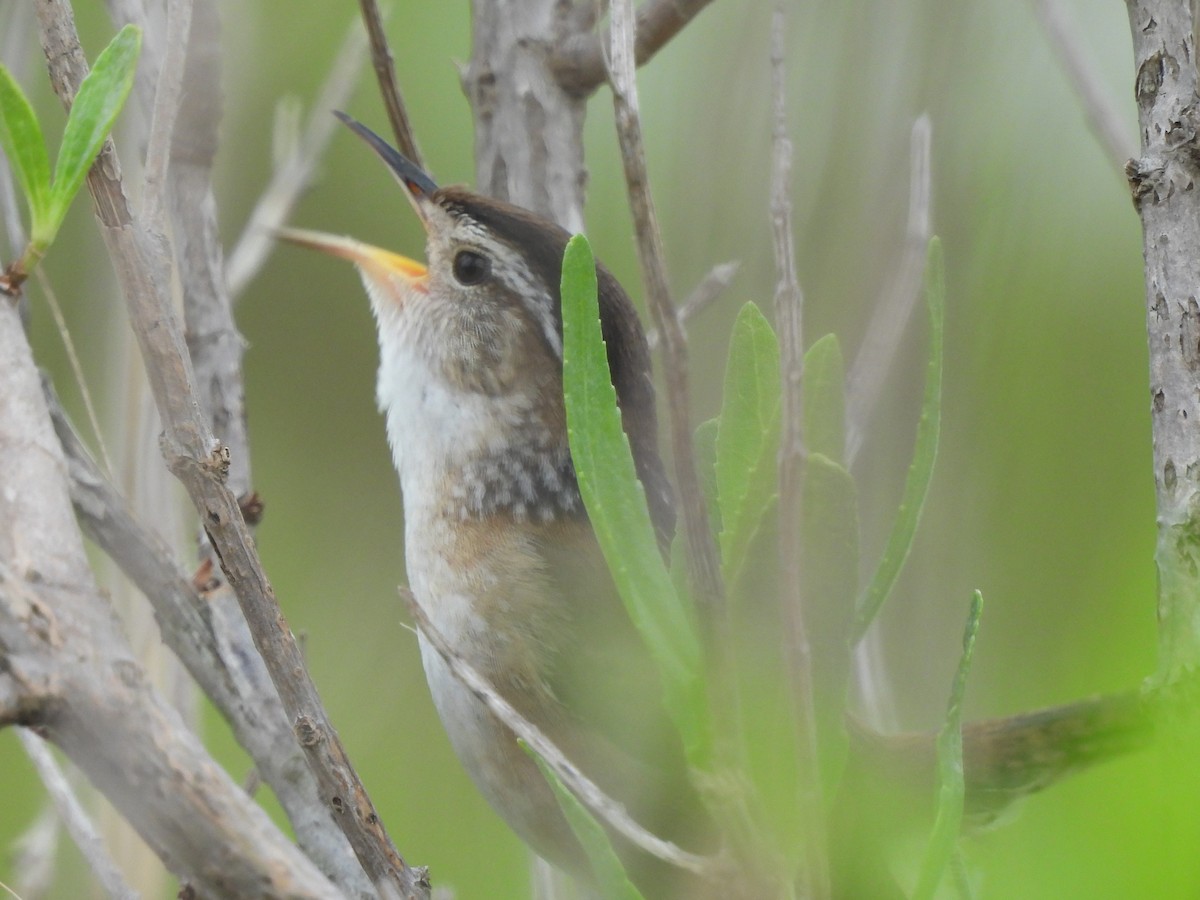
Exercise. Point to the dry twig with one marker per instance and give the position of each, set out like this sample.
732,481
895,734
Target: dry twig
385,73
79,825
703,295
702,552
580,785
578,61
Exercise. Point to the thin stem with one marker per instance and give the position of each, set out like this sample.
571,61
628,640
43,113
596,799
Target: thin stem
578,62
703,295
584,788
873,362
294,173
1100,105
79,825
702,552
85,393
385,73
789,304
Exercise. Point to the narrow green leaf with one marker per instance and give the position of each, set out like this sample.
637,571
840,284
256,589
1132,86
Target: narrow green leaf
920,472
606,865
748,436
825,399
22,142
99,100
830,584
616,505
951,787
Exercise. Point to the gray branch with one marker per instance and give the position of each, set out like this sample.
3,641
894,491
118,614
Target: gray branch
578,60
141,257
789,307
1162,181
79,825
64,650
528,129
209,635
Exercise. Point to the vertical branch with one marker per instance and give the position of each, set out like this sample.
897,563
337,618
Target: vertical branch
528,129
702,553
1161,180
789,305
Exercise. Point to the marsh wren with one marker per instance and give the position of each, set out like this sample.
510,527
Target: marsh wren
498,547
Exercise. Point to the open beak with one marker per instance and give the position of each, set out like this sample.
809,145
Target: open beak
375,261
418,187
381,264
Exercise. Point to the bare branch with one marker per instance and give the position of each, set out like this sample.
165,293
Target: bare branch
789,304
168,94
528,130
578,61
873,363
201,464
1160,181
76,819
1099,104
703,295
385,73
580,785
702,552
295,172
64,649
210,637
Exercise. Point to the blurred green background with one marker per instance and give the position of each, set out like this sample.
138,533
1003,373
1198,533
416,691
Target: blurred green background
1043,496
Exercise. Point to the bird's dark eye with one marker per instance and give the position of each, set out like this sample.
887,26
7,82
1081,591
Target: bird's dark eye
471,267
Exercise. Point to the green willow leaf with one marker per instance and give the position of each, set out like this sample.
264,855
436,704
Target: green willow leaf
606,865
747,436
22,142
99,100
920,472
616,506
951,786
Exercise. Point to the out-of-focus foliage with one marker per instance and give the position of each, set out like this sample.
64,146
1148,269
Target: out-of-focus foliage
1043,494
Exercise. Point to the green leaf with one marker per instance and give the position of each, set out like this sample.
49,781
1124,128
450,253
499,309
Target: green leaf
22,142
99,100
920,472
830,584
748,436
951,787
606,865
825,399
616,505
